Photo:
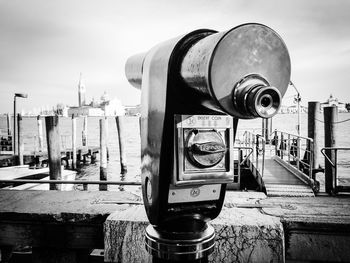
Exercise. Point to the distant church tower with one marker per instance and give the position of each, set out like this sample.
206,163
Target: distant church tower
81,92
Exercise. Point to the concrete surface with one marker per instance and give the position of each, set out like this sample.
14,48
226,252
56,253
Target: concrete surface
242,234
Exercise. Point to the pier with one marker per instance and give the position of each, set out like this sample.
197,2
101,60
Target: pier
70,226
287,217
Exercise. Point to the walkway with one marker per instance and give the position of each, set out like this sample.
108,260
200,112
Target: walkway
279,181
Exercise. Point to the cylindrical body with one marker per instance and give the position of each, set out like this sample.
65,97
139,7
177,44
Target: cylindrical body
243,72
53,149
266,125
134,69
330,140
121,138
20,139
103,154
74,142
40,133
313,130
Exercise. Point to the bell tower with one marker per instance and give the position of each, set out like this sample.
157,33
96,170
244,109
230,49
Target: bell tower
81,91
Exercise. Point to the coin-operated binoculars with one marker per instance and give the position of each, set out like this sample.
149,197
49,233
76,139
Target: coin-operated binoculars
194,89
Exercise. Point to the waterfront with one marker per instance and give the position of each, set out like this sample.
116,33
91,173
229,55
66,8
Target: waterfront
283,122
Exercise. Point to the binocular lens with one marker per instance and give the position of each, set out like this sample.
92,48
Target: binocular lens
266,101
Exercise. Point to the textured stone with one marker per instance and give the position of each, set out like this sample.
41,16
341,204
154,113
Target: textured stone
242,235
124,236
246,235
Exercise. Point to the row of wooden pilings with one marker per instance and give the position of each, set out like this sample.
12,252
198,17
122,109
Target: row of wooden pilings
54,148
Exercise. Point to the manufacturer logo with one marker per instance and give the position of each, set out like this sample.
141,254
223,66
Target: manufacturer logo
208,148
191,121
195,192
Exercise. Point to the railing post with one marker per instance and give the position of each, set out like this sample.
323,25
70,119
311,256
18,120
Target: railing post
282,146
288,148
330,118
276,143
298,153
311,155
103,154
53,149
20,139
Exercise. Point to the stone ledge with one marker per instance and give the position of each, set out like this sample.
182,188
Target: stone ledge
242,235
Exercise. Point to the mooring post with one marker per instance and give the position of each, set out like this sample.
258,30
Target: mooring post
330,118
121,139
103,154
74,142
40,133
313,131
107,136
53,149
276,142
8,118
20,139
84,135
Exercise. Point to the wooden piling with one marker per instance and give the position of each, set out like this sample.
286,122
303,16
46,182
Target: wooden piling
8,118
121,138
107,136
103,154
330,118
40,133
84,135
74,142
20,139
313,131
53,149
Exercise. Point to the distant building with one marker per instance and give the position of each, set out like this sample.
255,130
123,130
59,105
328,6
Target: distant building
331,101
85,111
106,107
284,109
133,110
81,92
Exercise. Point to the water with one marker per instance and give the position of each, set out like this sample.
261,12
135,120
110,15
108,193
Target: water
283,122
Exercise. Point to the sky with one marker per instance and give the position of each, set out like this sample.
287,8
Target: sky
45,45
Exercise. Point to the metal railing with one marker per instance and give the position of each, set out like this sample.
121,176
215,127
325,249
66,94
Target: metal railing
296,150
331,169
252,148
85,183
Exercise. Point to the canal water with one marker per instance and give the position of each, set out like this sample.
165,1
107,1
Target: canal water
282,122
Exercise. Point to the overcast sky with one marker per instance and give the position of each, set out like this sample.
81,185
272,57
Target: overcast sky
44,45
